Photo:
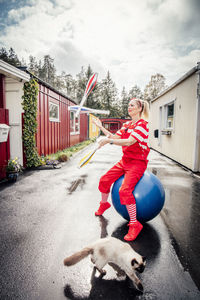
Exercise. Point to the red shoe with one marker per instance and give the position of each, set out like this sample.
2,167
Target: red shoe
103,206
134,230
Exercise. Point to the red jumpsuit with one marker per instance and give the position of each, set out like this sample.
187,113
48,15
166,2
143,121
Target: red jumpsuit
133,163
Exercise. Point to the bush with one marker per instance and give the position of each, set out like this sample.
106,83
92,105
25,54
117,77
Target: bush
13,165
62,157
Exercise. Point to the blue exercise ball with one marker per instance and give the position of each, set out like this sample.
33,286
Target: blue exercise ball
149,195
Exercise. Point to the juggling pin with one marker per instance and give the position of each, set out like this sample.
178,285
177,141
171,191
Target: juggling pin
90,85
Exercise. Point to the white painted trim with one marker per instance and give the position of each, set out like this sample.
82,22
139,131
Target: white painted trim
13,72
165,115
74,119
54,119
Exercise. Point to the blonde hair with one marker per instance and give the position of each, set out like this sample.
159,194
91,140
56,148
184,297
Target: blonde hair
145,107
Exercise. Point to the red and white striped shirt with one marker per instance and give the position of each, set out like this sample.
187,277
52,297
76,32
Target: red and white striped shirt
140,132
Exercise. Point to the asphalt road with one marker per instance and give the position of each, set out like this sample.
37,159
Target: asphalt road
49,214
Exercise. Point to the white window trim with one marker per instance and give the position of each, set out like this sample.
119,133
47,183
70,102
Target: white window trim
165,116
54,119
75,132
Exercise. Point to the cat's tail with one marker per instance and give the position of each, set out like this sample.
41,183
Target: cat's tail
78,256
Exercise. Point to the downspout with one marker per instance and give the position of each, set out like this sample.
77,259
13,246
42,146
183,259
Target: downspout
196,164
2,91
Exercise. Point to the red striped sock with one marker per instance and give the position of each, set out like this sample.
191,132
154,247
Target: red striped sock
132,213
104,197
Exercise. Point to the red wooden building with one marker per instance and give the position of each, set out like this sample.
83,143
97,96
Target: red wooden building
113,124
57,126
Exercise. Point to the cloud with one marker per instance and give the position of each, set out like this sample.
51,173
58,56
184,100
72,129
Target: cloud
133,39
71,59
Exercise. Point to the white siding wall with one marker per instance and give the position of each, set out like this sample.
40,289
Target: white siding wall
180,145
14,92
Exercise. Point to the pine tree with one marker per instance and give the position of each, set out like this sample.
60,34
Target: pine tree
4,54
33,65
81,84
67,85
10,57
48,70
13,59
109,96
93,98
135,92
125,100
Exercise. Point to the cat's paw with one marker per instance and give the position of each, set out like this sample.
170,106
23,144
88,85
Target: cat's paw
140,287
103,272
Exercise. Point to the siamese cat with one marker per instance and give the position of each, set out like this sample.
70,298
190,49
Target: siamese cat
119,255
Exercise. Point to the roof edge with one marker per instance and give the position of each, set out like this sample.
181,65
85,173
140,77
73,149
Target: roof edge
51,87
185,76
12,71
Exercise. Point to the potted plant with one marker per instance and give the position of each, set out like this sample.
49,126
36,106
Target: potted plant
12,169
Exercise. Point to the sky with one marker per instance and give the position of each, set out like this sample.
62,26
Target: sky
133,39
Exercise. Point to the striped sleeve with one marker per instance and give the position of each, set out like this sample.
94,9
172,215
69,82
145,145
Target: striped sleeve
120,131
140,132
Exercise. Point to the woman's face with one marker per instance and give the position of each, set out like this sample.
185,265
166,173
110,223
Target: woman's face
133,108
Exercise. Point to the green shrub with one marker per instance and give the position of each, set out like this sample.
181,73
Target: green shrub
30,123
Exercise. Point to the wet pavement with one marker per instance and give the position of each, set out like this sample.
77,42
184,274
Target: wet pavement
49,214
181,212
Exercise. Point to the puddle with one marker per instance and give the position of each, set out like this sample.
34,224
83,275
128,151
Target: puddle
77,183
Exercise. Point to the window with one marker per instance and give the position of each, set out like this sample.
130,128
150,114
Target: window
74,123
169,110
53,112
114,126
106,125
94,127
111,126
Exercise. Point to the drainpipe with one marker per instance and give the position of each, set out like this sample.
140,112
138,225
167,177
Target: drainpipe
196,165
2,91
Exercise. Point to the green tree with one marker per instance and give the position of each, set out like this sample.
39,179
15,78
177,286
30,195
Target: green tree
81,83
48,70
109,96
10,57
124,100
13,58
155,86
93,100
33,65
4,54
66,84
135,92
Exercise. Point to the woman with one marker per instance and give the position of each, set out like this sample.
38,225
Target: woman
133,138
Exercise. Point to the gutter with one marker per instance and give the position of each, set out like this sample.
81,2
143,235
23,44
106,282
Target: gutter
196,154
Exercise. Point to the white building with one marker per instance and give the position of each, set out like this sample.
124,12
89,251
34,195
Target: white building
12,81
175,121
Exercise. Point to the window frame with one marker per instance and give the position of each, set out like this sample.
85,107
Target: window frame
74,124
166,115
52,119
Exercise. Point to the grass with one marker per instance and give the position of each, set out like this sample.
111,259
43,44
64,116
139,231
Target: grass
68,152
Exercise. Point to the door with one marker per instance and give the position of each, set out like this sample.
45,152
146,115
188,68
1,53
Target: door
5,146
160,127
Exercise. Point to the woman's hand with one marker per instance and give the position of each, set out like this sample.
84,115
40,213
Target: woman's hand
103,142
97,122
